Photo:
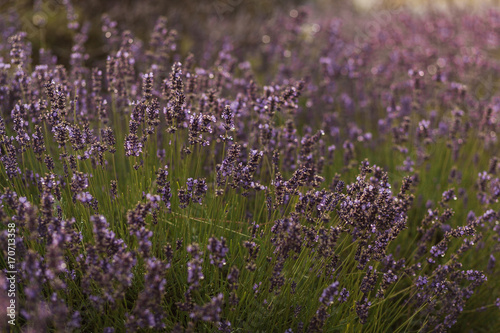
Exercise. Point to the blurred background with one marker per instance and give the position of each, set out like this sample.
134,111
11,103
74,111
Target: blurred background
196,22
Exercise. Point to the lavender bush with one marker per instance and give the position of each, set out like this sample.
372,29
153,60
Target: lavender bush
321,180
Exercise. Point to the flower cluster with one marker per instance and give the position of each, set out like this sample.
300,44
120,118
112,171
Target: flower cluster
315,178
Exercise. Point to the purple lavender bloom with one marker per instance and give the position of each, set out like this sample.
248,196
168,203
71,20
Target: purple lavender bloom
329,293
84,197
218,251
209,312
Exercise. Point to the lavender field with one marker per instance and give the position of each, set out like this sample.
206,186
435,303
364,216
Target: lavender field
248,167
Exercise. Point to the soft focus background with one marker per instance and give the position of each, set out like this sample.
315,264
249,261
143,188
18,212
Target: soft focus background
46,21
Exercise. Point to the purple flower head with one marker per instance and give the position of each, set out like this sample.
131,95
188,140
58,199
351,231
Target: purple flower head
209,312
329,293
84,197
218,251
195,274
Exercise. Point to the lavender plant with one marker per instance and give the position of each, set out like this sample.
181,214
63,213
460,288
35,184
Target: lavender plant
314,183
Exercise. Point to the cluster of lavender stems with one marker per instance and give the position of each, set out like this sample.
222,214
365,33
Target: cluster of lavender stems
316,182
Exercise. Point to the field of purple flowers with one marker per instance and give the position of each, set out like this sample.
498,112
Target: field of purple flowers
339,174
